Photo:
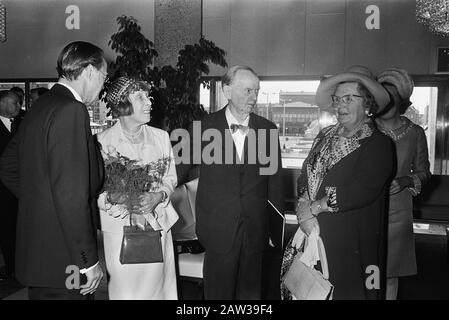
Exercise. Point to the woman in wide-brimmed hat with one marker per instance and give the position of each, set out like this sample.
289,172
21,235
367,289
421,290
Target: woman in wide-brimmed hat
343,186
412,171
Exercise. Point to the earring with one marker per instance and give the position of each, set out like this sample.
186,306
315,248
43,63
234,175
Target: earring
368,113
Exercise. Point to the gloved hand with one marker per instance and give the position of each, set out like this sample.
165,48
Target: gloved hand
298,238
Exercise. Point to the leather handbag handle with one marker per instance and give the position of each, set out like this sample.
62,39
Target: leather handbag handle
323,258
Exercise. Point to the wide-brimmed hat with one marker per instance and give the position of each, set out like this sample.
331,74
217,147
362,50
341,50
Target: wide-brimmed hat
398,78
356,74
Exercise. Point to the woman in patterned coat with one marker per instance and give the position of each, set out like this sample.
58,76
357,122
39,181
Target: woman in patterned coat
343,187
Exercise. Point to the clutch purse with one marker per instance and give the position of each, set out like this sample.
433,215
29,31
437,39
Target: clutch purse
140,246
306,283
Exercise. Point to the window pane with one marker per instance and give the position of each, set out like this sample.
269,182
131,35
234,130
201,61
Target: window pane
97,110
423,112
291,106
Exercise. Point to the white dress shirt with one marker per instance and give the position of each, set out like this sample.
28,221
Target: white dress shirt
238,136
6,122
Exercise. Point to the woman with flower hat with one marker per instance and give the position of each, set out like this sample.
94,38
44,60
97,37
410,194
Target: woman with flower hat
412,172
149,148
343,184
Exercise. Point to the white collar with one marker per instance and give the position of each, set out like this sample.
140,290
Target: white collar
75,94
6,122
231,119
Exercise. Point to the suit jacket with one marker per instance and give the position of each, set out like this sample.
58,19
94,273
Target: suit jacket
229,194
53,166
7,199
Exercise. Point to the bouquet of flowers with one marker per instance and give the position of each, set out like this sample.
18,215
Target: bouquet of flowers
126,180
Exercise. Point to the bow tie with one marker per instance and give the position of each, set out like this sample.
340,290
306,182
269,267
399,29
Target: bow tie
242,128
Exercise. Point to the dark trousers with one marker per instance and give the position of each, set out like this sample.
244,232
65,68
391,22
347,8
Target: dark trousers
41,293
8,221
236,275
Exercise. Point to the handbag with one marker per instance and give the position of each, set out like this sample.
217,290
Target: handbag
307,283
140,246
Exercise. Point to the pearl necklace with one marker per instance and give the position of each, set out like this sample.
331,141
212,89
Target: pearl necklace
133,137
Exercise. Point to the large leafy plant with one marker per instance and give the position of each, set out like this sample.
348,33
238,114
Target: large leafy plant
175,92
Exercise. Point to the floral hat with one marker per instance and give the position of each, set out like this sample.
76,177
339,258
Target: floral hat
357,74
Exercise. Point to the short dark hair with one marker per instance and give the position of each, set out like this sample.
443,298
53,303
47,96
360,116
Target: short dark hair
40,91
124,106
19,92
229,76
76,56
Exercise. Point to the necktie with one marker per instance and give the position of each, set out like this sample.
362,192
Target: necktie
13,125
242,128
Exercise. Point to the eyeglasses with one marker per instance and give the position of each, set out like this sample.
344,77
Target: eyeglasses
346,99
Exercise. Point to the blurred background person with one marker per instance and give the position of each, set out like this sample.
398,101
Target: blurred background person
20,93
412,171
343,186
35,93
9,108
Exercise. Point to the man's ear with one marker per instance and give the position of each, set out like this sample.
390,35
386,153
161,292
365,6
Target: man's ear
227,91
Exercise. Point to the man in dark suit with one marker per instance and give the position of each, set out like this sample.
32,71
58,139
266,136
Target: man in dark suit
9,108
53,166
233,218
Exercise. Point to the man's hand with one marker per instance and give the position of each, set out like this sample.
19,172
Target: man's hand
94,277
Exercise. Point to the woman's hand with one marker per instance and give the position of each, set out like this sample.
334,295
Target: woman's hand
303,209
400,183
308,225
118,211
150,200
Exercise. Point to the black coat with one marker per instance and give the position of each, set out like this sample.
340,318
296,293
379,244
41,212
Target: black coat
53,166
6,197
8,204
355,236
229,193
